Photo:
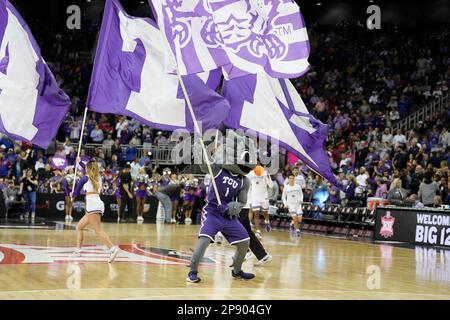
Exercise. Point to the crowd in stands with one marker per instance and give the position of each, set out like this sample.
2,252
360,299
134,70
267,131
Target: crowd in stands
360,84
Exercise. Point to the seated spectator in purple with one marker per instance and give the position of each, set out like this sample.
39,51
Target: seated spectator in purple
382,190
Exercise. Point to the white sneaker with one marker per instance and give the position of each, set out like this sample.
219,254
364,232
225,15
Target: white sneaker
258,234
67,218
118,219
113,253
173,221
188,221
140,219
33,216
70,218
264,260
77,253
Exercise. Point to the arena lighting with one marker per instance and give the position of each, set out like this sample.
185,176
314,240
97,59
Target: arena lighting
318,3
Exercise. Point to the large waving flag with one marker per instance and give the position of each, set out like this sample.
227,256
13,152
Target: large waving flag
192,34
130,77
32,106
273,107
245,37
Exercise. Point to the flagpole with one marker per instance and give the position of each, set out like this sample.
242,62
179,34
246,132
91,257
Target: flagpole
197,129
79,149
194,118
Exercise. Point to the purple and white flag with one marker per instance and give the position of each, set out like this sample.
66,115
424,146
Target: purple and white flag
262,36
273,108
244,37
59,162
32,106
191,33
130,77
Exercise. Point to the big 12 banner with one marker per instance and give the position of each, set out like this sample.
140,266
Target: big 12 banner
419,226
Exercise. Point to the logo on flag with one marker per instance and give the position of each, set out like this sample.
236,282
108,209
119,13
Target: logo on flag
244,37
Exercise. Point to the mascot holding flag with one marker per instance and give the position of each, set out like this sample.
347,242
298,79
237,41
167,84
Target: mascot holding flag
234,160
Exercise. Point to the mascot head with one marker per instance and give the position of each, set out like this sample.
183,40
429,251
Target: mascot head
237,154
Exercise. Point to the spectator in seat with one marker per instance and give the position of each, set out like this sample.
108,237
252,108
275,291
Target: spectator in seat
446,197
413,199
399,139
5,166
10,193
20,164
397,195
39,164
382,190
428,189
97,135
108,142
116,148
361,180
135,166
131,152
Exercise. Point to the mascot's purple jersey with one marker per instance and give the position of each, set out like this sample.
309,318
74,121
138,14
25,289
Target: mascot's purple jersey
229,185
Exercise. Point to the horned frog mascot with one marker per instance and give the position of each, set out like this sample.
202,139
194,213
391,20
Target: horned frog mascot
234,159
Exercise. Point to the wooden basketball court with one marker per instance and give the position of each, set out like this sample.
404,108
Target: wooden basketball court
37,264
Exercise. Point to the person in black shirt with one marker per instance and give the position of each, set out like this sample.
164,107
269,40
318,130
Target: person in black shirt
126,195
28,188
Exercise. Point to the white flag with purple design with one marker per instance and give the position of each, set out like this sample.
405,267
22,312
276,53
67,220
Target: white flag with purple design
32,106
130,77
273,108
192,34
243,37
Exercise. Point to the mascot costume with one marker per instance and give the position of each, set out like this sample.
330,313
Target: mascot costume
234,159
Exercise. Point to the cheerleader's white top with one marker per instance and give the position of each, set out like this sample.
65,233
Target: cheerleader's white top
93,202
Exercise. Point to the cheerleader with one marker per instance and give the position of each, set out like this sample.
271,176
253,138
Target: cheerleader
91,183
189,198
141,193
66,185
116,188
175,197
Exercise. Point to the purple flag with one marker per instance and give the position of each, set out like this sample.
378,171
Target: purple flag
59,162
273,108
32,106
130,77
245,37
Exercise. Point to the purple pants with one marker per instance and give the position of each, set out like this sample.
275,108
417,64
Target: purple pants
213,222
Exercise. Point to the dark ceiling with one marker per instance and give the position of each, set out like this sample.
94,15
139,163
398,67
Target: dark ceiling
400,12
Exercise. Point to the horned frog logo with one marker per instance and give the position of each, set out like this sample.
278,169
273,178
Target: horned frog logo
189,16
251,25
